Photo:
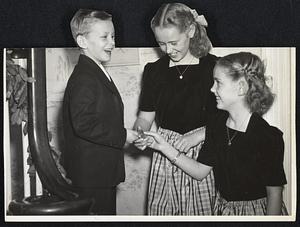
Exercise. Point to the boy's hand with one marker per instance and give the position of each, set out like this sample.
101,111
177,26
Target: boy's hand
141,133
131,136
142,141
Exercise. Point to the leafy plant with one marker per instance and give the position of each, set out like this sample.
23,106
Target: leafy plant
16,93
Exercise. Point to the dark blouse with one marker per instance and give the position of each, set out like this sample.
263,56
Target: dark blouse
180,104
253,161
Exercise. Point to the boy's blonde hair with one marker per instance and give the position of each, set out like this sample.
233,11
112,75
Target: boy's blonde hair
84,18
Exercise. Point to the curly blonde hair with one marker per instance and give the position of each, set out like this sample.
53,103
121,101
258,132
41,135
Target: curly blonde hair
245,64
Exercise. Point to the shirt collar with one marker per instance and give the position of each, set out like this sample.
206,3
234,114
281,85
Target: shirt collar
104,70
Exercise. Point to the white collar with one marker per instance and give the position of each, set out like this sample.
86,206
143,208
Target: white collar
104,70
100,65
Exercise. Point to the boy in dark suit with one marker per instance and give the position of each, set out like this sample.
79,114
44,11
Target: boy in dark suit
93,115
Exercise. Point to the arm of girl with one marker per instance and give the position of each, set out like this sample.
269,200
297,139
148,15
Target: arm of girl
190,139
195,169
143,123
274,200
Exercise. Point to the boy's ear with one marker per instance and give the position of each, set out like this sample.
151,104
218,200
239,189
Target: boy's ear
243,87
81,41
191,32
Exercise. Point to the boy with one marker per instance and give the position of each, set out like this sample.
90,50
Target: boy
93,115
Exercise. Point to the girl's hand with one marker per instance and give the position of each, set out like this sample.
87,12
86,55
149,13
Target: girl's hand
157,142
142,143
189,140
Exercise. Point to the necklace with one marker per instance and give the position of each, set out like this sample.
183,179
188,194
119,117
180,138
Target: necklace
181,73
228,136
230,139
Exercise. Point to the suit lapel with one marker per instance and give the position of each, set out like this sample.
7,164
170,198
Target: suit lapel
110,84
95,69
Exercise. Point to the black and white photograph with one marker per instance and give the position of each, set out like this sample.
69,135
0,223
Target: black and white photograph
179,125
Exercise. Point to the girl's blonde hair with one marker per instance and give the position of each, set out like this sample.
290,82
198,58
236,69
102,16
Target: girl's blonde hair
245,64
181,16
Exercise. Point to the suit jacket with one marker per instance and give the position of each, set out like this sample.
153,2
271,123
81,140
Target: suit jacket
93,128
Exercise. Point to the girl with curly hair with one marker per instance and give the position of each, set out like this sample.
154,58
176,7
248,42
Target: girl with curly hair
245,152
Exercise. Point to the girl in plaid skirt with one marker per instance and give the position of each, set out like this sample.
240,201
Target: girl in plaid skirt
176,95
245,152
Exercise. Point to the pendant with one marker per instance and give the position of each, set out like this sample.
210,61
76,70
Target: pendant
229,143
181,77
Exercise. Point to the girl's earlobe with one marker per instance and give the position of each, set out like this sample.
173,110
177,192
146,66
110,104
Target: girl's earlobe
243,87
241,91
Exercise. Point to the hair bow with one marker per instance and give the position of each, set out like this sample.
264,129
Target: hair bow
199,19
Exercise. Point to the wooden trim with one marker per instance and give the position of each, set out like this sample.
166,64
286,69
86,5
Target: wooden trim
45,165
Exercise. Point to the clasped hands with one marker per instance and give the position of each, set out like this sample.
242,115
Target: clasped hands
157,142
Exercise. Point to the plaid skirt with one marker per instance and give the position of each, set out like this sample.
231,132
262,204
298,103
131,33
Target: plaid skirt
172,191
252,207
